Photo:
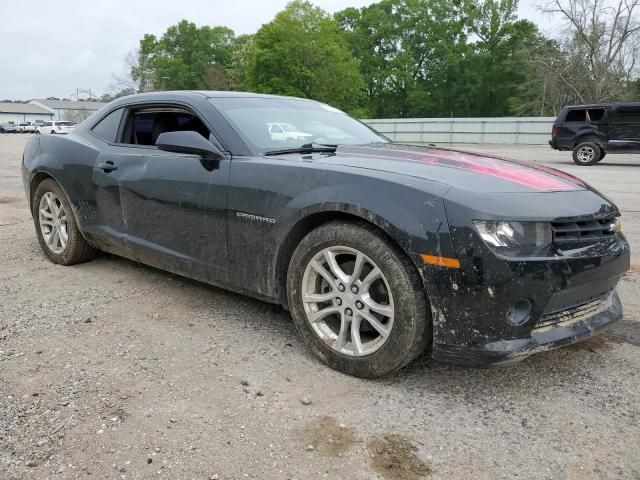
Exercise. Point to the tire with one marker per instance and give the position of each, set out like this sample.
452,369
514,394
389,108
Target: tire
37,132
76,249
407,329
587,153
53,132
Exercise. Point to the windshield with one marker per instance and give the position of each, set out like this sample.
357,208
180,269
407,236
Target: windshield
268,124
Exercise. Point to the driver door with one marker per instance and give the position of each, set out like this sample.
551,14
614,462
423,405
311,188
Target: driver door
172,203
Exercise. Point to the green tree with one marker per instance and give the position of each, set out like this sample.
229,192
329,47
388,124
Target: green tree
498,65
240,56
439,57
185,57
407,49
303,53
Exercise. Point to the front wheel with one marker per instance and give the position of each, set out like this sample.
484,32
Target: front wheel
58,233
587,153
357,301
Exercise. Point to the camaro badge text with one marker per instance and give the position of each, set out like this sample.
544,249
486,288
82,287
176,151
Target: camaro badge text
256,218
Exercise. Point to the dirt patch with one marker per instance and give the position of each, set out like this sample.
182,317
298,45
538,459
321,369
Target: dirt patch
328,436
10,200
394,457
601,342
634,268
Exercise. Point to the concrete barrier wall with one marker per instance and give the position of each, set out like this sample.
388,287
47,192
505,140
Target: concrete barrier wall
503,130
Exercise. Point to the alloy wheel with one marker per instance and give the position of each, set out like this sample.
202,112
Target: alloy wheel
586,154
52,218
347,301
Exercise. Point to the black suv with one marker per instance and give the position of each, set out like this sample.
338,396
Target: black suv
592,131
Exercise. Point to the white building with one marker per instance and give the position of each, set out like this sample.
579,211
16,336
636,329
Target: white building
22,112
72,110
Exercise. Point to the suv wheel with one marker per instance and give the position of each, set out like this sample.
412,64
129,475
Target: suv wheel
58,233
587,153
356,300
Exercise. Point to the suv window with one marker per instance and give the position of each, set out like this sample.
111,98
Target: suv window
585,115
627,115
107,128
144,125
578,115
596,114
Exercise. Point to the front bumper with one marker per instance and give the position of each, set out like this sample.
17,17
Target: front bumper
502,352
571,298
570,293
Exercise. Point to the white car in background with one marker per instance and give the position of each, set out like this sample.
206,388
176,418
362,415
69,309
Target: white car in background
26,127
55,128
286,131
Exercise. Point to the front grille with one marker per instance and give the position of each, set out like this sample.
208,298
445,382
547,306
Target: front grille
587,231
575,313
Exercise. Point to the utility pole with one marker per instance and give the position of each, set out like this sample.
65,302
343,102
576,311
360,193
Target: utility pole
85,92
544,94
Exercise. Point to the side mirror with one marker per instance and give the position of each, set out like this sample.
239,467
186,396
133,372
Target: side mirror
188,142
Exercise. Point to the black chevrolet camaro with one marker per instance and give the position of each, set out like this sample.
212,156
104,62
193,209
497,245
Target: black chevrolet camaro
380,251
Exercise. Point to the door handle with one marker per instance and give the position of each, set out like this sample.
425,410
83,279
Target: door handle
108,166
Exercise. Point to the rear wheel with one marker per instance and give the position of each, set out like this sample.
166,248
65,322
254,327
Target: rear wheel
356,300
587,153
58,233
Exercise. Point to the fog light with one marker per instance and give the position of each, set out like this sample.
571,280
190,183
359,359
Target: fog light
519,313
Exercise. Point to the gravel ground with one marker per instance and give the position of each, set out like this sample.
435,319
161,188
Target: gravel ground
111,369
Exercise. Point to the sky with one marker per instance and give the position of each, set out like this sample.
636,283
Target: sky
53,48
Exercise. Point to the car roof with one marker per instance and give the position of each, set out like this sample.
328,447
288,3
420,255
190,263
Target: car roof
605,104
190,94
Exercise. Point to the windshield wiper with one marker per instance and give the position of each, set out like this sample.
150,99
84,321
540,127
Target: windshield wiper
306,148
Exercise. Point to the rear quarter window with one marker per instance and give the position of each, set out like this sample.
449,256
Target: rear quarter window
585,115
578,115
107,128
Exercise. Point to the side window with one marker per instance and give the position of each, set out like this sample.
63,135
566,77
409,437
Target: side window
596,114
107,128
627,115
577,115
144,125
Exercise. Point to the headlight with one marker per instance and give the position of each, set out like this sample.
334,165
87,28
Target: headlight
616,225
515,238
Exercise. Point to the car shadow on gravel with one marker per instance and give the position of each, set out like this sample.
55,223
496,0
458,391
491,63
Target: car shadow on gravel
566,368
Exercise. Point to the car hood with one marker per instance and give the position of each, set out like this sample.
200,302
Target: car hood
456,168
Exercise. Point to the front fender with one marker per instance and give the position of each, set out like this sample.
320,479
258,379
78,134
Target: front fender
417,225
273,203
413,219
